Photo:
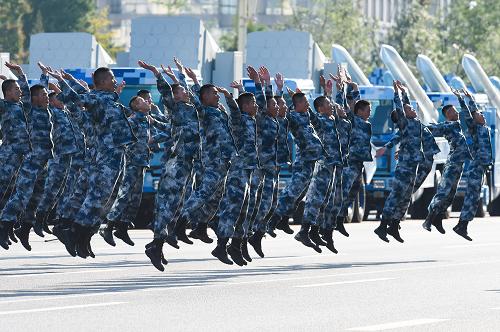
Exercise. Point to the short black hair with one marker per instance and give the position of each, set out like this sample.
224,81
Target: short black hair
175,87
297,97
7,85
360,104
244,98
134,98
204,90
318,102
36,89
143,92
100,74
394,116
445,109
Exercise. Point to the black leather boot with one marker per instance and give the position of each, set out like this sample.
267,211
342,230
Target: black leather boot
220,252
234,250
256,242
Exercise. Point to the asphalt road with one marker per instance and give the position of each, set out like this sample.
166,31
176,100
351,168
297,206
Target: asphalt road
432,282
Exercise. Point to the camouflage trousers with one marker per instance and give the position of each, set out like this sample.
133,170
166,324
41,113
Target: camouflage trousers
31,167
58,169
423,171
267,197
475,176
10,161
77,165
102,180
251,204
128,199
28,214
401,191
328,220
172,188
352,177
319,193
296,188
204,201
76,198
447,188
237,187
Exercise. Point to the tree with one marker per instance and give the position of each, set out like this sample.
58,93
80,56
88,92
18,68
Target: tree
335,21
99,25
229,41
418,32
12,37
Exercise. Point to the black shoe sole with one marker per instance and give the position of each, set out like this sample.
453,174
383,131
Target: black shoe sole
124,238
222,258
156,263
462,234
108,238
381,235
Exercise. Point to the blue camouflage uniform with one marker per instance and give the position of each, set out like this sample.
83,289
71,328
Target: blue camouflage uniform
321,189
309,150
186,148
359,152
113,134
244,128
459,153
40,127
481,151
410,155
14,135
63,137
263,178
77,161
137,156
344,128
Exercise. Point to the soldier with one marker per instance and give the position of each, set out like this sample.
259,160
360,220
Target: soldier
113,133
459,153
410,155
63,136
322,183
359,146
40,127
309,150
482,158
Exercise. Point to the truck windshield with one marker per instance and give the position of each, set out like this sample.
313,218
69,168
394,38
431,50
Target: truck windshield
380,117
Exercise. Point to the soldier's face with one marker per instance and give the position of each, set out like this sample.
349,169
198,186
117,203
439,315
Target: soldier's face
452,114
14,93
364,113
409,112
302,105
211,97
327,107
141,105
272,107
147,98
180,94
109,83
251,107
41,100
282,108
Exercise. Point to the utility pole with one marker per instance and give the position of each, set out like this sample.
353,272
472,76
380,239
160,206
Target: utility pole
242,26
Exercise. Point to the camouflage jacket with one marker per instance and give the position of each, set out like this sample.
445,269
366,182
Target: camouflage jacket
326,127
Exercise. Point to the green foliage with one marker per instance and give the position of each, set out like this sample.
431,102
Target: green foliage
229,41
12,36
98,25
336,21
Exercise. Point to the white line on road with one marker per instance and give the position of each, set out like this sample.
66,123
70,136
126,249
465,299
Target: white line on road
344,282
205,284
491,244
48,274
11,312
395,325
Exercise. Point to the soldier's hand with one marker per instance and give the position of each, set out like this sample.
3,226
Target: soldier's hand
264,73
120,87
3,77
396,155
170,73
253,74
280,81
322,82
54,87
66,76
456,93
43,68
84,84
395,86
15,68
192,75
55,74
221,107
236,85
290,91
329,87
149,67
179,65
224,91
380,152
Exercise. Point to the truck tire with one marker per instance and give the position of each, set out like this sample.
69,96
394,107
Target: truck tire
494,207
359,205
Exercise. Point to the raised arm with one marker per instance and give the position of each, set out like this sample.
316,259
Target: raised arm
398,104
161,84
465,113
44,78
23,83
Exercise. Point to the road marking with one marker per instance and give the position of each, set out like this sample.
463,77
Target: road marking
497,308
473,245
205,284
395,325
62,251
11,312
344,282
48,274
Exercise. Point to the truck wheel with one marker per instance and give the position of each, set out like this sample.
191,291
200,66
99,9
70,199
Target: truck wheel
359,205
494,207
